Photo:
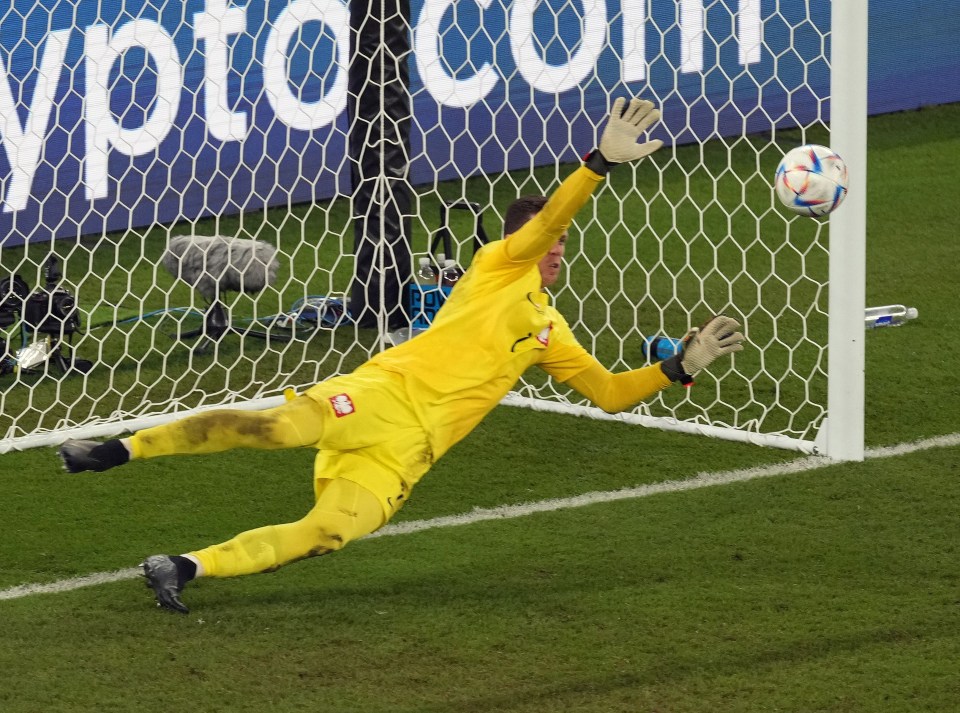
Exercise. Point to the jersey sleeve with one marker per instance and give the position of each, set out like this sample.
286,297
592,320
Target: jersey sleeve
502,260
536,237
565,357
621,391
568,362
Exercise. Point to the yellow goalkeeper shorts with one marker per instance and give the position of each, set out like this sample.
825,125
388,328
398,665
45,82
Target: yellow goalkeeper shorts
371,436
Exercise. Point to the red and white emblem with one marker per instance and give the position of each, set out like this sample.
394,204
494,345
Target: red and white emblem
544,336
342,405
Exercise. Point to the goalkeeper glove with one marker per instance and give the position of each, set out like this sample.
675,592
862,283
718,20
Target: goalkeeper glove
718,336
618,143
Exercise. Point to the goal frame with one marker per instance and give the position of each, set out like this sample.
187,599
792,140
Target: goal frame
841,437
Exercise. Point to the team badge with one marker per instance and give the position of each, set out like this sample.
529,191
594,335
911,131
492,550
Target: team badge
342,405
544,336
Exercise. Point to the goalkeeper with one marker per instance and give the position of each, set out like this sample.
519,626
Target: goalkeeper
380,428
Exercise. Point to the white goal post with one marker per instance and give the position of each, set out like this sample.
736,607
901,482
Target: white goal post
354,138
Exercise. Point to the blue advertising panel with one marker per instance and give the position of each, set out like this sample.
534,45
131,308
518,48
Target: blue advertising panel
142,111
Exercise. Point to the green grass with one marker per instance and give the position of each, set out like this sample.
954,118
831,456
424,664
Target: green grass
828,591
833,590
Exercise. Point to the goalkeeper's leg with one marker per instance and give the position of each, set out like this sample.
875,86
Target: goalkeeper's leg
344,511
296,423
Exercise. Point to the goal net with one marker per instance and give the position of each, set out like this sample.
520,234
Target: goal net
352,141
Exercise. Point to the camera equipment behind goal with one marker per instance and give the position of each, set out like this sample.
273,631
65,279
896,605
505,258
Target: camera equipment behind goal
48,318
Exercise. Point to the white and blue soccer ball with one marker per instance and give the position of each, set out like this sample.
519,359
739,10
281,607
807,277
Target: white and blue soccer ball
811,180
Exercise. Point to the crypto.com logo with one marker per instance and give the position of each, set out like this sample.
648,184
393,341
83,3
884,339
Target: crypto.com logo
215,30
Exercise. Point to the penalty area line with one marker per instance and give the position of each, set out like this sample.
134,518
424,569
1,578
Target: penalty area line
509,512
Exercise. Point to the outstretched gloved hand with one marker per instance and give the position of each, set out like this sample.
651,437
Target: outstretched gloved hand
618,143
717,337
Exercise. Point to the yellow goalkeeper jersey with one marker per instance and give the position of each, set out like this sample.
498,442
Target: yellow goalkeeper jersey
496,323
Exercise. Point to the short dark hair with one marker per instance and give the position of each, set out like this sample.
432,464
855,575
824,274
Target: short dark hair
521,211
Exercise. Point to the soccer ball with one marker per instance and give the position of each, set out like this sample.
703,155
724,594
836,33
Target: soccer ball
811,180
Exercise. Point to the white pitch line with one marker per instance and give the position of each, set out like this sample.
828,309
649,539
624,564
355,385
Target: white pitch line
65,585
508,512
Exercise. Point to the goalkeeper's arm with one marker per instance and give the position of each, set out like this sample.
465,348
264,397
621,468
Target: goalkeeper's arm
618,392
613,393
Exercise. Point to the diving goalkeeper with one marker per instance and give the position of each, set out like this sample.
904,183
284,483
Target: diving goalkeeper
379,429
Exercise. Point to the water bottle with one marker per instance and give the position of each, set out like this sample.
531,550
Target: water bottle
889,316
424,295
449,276
426,275
658,348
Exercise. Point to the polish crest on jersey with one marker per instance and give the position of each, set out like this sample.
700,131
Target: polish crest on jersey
544,336
342,405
